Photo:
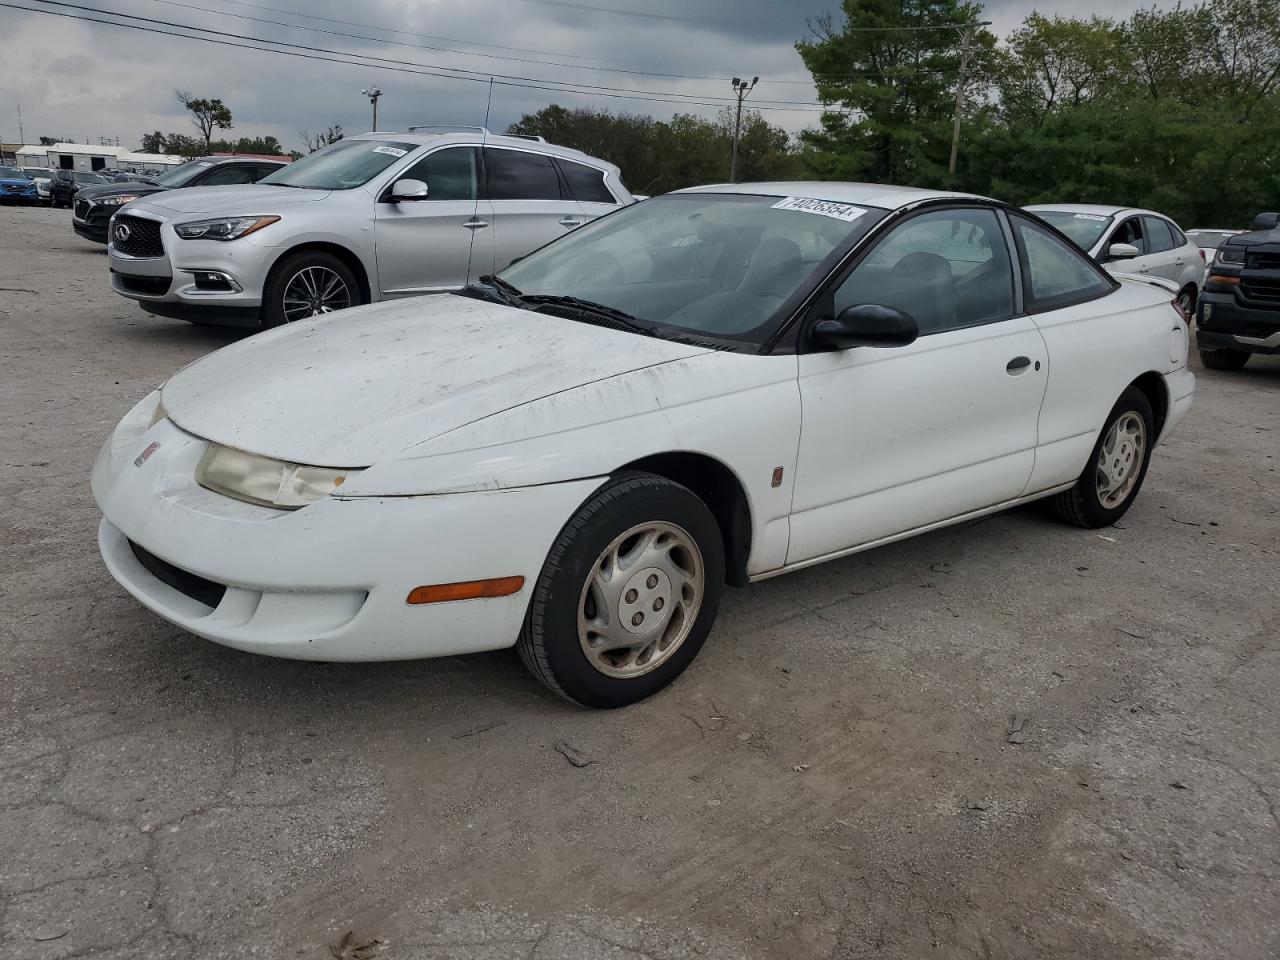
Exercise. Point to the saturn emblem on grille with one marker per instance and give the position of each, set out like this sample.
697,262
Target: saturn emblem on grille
123,232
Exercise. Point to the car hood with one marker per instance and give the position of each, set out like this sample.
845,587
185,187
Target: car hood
364,385
244,198
132,188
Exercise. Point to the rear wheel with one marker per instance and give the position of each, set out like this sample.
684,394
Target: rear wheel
1224,359
1110,483
308,284
628,593
1187,301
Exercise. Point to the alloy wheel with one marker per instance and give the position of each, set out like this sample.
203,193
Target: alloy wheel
1120,459
641,600
313,292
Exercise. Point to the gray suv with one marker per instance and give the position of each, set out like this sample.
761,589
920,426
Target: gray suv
368,218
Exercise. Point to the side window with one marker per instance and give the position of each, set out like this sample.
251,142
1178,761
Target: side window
1159,237
264,169
1129,232
1055,274
451,174
947,269
230,173
586,183
515,175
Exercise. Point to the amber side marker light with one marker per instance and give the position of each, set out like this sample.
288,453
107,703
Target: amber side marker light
467,590
1222,278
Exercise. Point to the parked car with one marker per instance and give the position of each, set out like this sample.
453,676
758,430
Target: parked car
575,455
371,217
95,206
1210,240
1239,314
16,186
67,183
41,177
1127,240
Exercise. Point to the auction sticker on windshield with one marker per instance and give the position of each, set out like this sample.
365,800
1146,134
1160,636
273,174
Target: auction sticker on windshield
825,208
1090,216
390,151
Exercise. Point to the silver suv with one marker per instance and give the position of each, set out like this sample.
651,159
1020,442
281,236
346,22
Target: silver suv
371,217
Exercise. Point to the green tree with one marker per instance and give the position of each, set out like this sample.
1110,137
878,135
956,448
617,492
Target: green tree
207,114
888,75
152,143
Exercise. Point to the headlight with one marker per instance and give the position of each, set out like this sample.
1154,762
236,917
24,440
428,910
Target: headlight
1230,254
224,228
116,201
272,483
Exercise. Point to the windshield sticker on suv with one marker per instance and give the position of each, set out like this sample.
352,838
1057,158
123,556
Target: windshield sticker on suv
390,151
824,208
1090,216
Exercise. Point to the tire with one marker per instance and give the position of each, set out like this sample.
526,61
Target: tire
1187,297
291,275
1224,359
564,623
1085,504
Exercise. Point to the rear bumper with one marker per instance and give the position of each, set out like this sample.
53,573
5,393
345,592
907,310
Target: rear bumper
1224,323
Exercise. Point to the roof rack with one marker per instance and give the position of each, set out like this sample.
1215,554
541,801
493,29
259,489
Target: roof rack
528,136
449,128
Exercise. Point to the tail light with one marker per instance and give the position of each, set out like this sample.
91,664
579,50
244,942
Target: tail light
1181,310
1202,256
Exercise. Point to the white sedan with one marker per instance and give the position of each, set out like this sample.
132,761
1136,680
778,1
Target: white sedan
574,457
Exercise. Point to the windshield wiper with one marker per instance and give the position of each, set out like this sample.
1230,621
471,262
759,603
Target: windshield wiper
504,292
620,317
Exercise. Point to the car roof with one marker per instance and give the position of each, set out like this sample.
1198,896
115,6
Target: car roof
881,195
1095,208
472,136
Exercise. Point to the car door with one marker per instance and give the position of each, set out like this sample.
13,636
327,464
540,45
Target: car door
426,245
589,188
526,204
1189,265
896,439
1088,345
1163,257
1130,231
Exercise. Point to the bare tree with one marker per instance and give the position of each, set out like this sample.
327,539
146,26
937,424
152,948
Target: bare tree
314,141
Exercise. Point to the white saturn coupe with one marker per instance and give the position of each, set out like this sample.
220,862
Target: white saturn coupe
576,455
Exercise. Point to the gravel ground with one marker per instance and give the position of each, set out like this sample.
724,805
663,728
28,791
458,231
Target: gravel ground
834,777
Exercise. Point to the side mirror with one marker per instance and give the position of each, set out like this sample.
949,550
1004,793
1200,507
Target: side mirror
1266,221
867,325
408,190
1122,251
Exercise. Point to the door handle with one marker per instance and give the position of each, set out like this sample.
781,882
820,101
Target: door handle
1144,269
1017,365
570,222
476,224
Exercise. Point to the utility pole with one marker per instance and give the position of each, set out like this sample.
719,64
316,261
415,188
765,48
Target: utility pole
373,93
21,135
966,39
740,90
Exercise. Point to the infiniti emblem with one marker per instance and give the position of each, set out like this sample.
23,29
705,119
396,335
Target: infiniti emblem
123,232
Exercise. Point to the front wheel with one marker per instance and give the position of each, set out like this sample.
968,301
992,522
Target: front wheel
1118,465
308,284
1224,359
628,594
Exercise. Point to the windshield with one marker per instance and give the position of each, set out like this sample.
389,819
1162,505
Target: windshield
343,166
1209,239
1084,229
89,178
703,263
180,176
12,173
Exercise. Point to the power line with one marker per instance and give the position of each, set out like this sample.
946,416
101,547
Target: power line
305,52
574,5
567,86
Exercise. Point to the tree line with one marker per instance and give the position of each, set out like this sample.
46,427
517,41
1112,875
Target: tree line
1177,110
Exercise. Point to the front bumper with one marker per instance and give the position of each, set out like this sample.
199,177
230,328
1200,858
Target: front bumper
167,285
329,581
23,194
1224,322
97,232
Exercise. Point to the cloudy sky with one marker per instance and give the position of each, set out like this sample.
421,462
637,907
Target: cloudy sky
87,80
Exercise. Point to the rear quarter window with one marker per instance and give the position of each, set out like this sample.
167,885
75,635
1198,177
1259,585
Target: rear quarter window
586,183
1055,273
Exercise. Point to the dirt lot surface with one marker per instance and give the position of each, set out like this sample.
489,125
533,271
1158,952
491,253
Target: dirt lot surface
834,777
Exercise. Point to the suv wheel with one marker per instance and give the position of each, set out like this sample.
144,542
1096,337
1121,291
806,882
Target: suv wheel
1118,465
628,593
308,284
1224,359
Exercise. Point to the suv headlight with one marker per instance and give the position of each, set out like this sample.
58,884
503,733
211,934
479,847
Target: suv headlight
117,201
272,483
224,228
1230,254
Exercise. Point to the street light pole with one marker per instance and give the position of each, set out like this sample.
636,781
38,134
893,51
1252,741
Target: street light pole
740,90
373,93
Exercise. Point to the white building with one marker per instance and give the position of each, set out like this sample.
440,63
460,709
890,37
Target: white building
87,157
